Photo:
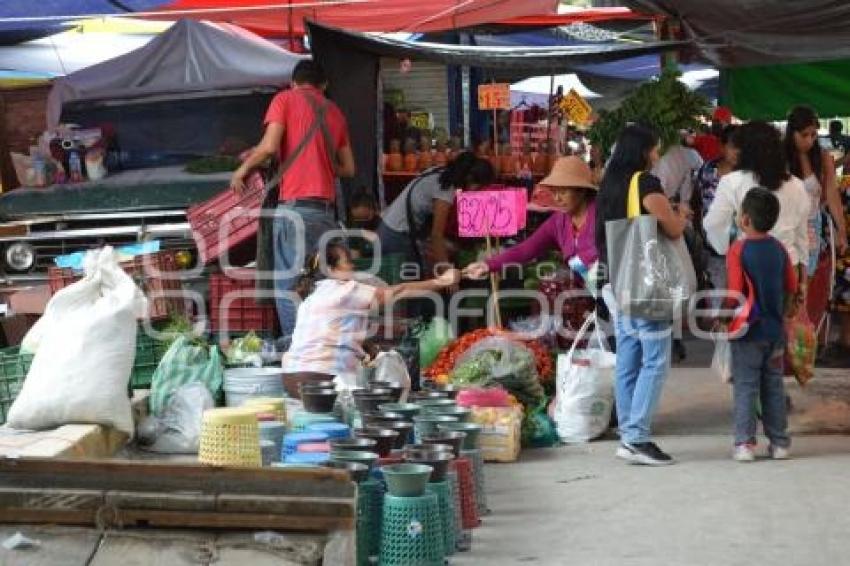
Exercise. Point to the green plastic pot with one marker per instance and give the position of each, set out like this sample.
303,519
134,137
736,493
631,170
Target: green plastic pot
462,414
406,480
409,410
432,405
359,456
472,430
425,425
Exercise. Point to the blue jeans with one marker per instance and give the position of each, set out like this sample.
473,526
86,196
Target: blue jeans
757,375
293,242
643,362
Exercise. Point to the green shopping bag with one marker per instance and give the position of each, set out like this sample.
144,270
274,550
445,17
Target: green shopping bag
185,363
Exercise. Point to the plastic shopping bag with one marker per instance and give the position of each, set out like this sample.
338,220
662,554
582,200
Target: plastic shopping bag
84,349
185,363
585,389
721,362
801,346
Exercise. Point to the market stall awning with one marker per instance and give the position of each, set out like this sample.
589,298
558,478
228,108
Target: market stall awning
189,57
352,59
23,21
768,92
578,16
282,18
733,33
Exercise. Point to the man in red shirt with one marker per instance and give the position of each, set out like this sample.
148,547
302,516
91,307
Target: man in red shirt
708,145
309,135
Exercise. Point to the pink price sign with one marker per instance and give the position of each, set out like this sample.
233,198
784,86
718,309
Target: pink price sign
491,213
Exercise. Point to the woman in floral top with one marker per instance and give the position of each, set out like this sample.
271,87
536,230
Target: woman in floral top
705,187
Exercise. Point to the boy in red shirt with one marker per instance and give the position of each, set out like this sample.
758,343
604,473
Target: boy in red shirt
760,270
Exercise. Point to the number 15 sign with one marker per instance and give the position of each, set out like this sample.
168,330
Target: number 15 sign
491,213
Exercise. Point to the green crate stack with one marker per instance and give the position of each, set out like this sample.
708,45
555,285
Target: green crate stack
148,354
13,370
389,267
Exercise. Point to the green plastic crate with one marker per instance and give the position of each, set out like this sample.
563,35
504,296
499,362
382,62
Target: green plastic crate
389,267
13,370
148,354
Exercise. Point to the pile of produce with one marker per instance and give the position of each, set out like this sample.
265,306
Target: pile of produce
498,361
447,359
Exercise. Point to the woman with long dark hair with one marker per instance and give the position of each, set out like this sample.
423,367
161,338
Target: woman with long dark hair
761,163
643,345
816,167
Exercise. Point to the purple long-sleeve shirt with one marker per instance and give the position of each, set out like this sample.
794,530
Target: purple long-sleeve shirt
556,232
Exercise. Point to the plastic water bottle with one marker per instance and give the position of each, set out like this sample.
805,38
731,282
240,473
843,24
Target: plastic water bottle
75,166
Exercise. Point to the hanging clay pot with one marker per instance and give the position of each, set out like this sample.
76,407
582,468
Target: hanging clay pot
426,158
508,161
411,159
440,156
395,160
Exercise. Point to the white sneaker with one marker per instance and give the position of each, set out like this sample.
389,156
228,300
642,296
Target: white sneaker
744,453
779,453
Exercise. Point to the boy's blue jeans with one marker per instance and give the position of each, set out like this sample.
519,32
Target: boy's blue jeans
643,362
757,374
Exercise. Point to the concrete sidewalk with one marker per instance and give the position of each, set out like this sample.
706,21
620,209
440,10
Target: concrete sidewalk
579,506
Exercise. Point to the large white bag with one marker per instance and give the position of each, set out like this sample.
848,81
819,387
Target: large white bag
84,348
585,389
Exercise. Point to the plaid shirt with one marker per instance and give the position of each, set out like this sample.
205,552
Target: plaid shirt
331,326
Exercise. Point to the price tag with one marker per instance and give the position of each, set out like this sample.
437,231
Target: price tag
576,108
491,213
494,96
420,120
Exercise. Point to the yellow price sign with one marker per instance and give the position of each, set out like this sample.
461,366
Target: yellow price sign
576,108
494,96
420,120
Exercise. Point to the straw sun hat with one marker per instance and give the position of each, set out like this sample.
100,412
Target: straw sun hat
570,172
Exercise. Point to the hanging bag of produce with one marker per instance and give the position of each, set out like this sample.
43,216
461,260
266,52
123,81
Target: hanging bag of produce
652,276
183,363
584,396
84,349
801,346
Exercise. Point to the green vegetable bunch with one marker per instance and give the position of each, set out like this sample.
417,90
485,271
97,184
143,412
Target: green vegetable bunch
663,103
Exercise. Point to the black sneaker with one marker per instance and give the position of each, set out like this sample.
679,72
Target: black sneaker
626,452
649,454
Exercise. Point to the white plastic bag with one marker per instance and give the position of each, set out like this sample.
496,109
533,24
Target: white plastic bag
721,362
585,389
390,366
84,348
178,431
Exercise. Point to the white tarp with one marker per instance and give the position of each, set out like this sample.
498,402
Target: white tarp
189,57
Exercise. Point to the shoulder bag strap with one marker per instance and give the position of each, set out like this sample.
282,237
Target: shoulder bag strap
321,118
633,198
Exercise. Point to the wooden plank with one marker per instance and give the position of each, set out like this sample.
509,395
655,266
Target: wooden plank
217,520
126,475
51,499
316,506
59,546
161,501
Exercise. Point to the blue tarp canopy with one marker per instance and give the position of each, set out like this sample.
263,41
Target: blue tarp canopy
15,25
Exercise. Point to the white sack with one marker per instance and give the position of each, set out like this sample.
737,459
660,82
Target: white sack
84,349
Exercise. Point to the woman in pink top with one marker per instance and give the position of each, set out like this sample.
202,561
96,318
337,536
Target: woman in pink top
569,230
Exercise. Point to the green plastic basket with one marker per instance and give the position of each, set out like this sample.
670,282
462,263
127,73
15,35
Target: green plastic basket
389,267
370,502
411,533
13,370
447,514
148,354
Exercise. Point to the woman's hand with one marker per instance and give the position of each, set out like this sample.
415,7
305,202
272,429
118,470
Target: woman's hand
449,278
477,270
237,181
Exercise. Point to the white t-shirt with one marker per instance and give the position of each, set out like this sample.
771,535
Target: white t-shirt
676,170
426,188
330,328
791,228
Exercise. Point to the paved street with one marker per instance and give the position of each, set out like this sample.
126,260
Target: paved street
579,506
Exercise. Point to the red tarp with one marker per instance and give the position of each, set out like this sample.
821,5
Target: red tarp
274,18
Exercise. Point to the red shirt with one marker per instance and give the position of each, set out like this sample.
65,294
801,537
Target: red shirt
311,175
708,146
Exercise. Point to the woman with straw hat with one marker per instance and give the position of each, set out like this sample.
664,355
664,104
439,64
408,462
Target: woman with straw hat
570,229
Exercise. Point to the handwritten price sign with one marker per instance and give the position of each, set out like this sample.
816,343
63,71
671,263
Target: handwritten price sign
491,213
576,107
494,96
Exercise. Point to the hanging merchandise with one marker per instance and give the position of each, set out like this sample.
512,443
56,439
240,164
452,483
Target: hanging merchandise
801,346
